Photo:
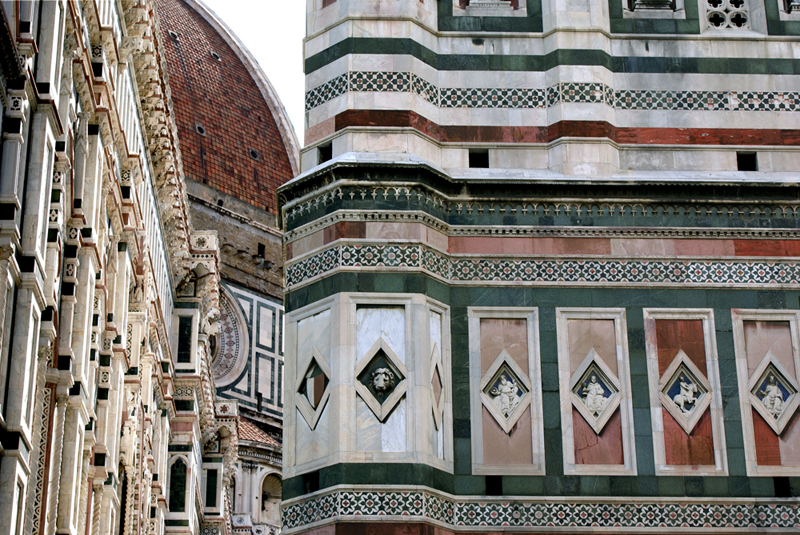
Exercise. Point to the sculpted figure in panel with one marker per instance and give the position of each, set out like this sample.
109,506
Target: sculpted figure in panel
506,395
772,397
686,396
593,395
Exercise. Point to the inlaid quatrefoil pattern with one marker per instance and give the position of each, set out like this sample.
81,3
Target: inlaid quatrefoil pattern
505,391
313,389
684,391
594,391
774,393
381,379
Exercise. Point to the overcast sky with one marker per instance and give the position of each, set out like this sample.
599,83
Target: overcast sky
273,31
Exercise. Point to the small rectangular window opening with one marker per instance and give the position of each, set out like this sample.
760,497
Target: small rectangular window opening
262,250
782,487
184,339
311,481
747,161
325,153
479,158
494,485
211,488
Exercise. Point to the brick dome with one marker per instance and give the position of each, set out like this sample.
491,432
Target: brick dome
234,133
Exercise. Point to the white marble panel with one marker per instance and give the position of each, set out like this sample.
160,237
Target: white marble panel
386,322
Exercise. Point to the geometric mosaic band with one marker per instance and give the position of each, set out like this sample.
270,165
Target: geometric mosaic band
564,92
458,269
551,514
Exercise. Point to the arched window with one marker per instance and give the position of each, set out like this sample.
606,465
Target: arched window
271,500
177,487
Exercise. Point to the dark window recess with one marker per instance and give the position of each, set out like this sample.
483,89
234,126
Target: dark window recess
747,161
185,339
200,129
220,202
123,500
173,35
216,56
325,153
262,250
782,487
479,159
494,485
311,481
253,154
177,487
259,399
211,488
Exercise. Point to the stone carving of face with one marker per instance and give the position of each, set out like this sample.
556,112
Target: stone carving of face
382,380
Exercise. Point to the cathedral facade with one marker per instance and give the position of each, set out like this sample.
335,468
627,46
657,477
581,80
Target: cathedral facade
542,269
125,349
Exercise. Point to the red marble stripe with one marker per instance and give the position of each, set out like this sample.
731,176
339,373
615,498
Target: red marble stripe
766,247
696,449
584,129
768,448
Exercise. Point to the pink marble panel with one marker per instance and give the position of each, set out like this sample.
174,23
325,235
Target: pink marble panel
704,248
436,239
763,336
307,243
395,231
319,130
789,443
642,247
508,334
500,448
475,244
599,335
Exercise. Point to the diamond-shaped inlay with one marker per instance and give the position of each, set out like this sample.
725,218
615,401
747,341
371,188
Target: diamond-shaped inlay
380,379
685,391
312,389
437,387
774,393
594,390
505,391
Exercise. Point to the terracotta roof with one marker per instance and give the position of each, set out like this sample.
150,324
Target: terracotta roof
220,94
250,431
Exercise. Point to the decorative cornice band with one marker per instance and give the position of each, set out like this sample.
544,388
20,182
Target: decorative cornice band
536,232
459,269
561,93
414,196
466,513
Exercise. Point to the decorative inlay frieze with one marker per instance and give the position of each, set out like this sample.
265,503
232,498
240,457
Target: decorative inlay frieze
467,512
458,269
726,14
